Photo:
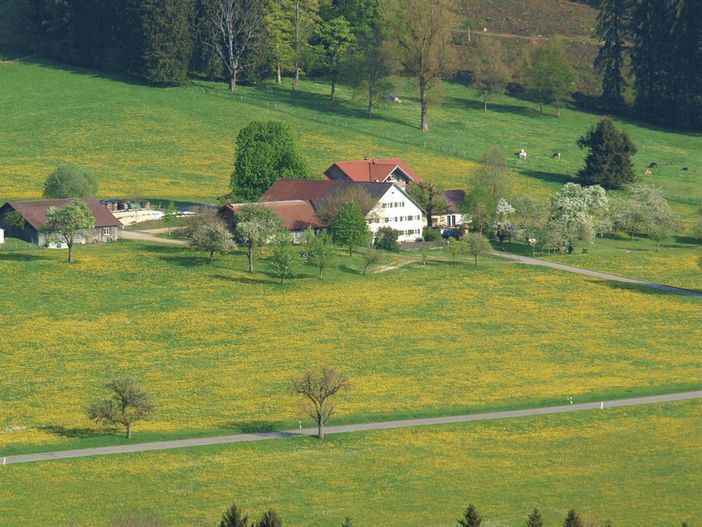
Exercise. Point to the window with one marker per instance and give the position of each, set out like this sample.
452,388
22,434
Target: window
385,205
106,231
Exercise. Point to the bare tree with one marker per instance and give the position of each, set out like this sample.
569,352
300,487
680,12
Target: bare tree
129,403
318,387
236,24
424,38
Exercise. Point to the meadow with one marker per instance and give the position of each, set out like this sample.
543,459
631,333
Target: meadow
216,346
178,143
636,467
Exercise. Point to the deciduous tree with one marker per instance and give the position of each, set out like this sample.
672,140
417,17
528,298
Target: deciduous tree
551,77
329,207
371,257
70,181
209,234
423,33
429,197
170,216
320,250
349,228
69,222
129,404
492,174
318,387
333,42
285,258
265,152
255,226
490,72
478,245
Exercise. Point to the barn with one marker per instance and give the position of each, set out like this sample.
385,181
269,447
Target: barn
34,215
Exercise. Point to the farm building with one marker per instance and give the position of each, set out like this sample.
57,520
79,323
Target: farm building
34,215
296,215
392,170
393,207
453,217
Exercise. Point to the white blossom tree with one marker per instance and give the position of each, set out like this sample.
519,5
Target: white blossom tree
503,226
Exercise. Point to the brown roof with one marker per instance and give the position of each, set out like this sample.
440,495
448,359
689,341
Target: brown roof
295,214
370,170
315,190
454,199
34,212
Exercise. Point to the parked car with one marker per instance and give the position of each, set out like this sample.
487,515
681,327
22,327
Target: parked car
451,233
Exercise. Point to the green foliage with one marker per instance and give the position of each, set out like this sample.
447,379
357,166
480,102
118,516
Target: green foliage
285,258
209,234
319,249
612,31
477,245
68,222
70,181
170,216
645,211
334,39
608,162
534,519
329,207
572,520
429,197
265,152
490,73
255,226
386,239
480,205
349,228
457,248
492,174
430,234
530,215
15,221
167,44
347,522
371,257
270,518
470,518
551,77
234,517
129,403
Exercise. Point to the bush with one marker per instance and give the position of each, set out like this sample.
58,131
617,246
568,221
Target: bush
431,235
386,239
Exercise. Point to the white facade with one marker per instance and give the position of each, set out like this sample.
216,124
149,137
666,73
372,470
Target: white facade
2,236
451,219
397,211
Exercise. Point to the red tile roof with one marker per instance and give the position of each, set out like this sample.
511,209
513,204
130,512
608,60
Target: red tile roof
369,170
34,212
295,214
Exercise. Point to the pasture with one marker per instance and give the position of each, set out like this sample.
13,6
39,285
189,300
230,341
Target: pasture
636,467
217,346
178,143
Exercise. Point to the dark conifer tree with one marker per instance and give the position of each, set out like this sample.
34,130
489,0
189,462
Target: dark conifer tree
471,518
534,519
572,519
686,63
233,517
611,30
609,162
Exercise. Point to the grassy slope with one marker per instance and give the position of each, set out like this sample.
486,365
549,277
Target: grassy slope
216,346
178,142
637,467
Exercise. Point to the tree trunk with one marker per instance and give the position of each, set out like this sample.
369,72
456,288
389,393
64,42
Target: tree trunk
251,257
333,90
321,273
424,120
558,109
296,78
70,252
485,101
320,430
129,431
370,102
232,82
278,75
211,256
476,260
541,107
430,217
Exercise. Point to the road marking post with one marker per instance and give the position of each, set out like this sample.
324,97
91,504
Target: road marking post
3,461
602,405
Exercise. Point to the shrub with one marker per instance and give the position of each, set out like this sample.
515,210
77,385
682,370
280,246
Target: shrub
386,239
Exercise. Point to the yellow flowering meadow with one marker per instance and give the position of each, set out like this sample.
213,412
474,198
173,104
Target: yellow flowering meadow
216,347
637,467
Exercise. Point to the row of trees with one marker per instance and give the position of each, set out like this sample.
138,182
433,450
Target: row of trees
661,41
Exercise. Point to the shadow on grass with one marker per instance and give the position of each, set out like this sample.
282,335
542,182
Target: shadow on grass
188,261
77,433
477,105
648,290
242,279
549,177
21,257
252,427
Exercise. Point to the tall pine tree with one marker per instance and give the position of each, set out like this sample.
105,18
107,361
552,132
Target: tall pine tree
686,81
611,30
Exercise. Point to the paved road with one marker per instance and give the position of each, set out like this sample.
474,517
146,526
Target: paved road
149,236
361,427
605,276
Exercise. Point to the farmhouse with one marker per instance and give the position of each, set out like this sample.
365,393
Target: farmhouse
453,216
392,170
393,207
34,215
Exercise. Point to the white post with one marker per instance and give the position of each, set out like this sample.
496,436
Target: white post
602,405
3,461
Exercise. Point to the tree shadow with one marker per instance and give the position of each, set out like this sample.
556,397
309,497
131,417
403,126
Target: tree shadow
496,107
251,427
76,433
241,279
21,257
649,290
346,268
187,261
550,177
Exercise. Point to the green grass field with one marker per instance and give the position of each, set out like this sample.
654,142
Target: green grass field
179,142
216,346
637,467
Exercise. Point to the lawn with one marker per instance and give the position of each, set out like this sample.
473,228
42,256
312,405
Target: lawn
178,143
216,346
637,467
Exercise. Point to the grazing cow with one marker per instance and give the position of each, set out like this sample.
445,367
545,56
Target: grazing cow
556,155
522,154
653,165
683,169
647,172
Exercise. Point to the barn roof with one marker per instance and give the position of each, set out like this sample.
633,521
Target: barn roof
295,214
315,190
34,212
371,170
